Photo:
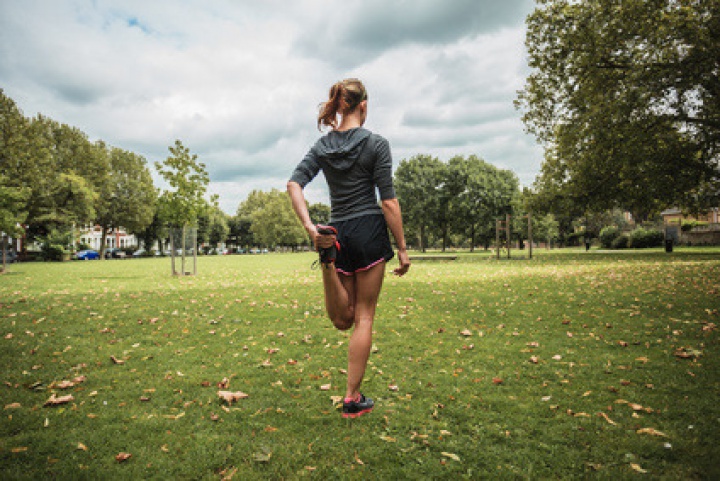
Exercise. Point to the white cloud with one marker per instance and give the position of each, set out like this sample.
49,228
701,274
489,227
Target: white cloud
239,82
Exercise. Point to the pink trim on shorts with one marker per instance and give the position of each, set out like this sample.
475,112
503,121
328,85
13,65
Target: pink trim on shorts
382,259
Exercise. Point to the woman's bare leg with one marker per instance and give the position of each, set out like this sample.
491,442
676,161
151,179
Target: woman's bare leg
367,290
339,297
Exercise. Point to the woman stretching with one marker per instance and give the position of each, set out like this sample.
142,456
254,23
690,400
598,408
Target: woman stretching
355,247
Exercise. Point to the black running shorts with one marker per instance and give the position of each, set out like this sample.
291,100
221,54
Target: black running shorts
364,243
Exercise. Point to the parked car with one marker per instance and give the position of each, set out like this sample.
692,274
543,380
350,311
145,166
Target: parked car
143,253
87,255
10,256
115,253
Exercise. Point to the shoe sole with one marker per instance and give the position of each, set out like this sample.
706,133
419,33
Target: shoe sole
357,414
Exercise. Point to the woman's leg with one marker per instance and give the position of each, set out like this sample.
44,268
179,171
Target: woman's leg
367,290
339,297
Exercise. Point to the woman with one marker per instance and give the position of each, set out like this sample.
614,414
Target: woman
355,247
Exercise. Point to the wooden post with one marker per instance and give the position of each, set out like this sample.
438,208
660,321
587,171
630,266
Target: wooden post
530,238
507,229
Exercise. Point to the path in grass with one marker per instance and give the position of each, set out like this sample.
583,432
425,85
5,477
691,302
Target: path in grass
572,364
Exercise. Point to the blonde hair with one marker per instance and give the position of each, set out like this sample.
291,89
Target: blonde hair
343,98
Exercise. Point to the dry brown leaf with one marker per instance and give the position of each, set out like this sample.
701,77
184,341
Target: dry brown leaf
122,457
466,332
82,447
231,397
54,401
636,467
64,384
451,456
651,431
224,384
497,380
13,406
20,449
605,416
116,360
325,387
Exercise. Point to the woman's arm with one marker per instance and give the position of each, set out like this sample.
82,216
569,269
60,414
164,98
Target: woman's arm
300,207
393,217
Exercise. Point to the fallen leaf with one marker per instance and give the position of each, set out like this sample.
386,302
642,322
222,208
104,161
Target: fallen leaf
231,397
651,431
82,447
497,380
358,460
325,387
13,406
605,416
636,467
393,387
388,439
224,384
451,456
534,359
116,360
466,332
122,457
54,401
21,449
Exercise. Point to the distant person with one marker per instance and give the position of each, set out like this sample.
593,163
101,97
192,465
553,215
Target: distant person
355,246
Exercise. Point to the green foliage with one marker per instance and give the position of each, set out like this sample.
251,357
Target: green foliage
187,178
608,235
621,242
273,221
625,98
643,238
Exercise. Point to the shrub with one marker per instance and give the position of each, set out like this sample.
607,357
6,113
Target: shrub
608,236
641,238
621,242
52,252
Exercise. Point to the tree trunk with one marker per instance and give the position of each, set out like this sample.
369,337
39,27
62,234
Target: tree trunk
472,238
103,241
4,250
172,253
182,243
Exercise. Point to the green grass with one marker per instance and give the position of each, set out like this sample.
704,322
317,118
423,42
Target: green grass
585,345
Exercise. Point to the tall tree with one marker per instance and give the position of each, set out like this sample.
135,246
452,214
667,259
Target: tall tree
626,98
127,195
12,203
183,202
418,181
274,222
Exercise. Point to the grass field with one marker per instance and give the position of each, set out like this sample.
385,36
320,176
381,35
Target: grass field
571,365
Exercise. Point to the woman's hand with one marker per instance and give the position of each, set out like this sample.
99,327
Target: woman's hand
404,260
322,240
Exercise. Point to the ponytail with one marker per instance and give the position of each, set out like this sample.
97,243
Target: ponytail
343,98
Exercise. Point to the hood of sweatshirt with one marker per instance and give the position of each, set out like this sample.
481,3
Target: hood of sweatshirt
342,149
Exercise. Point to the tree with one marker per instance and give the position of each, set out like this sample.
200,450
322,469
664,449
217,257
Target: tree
319,213
625,97
418,181
181,205
12,201
127,194
484,194
274,222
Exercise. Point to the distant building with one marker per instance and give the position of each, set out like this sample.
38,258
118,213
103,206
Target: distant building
92,236
676,216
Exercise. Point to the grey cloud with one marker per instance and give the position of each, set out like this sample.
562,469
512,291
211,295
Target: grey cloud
357,31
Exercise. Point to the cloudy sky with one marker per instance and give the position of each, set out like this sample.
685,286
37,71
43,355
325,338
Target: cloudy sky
239,81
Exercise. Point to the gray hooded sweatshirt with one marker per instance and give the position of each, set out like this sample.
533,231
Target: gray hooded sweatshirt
354,162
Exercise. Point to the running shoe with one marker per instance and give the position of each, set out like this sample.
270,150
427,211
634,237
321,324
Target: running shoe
329,254
353,409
